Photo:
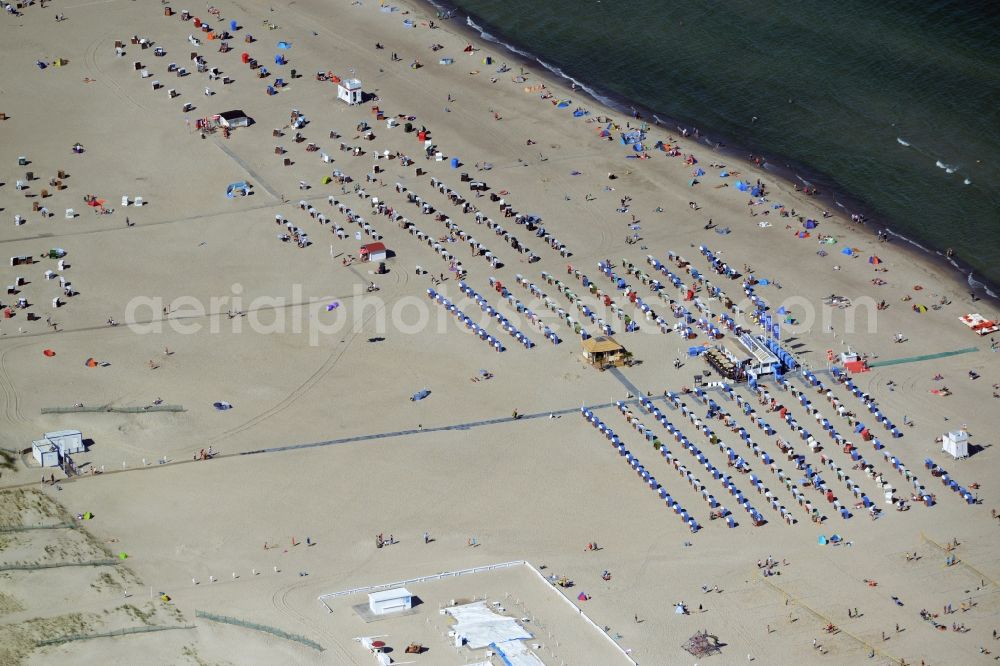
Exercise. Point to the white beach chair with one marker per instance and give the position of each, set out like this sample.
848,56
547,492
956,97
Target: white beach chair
70,213
124,200
139,202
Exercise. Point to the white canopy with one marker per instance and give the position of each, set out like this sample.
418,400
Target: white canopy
480,626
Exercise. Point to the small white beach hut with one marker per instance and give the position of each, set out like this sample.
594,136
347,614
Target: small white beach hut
956,444
234,118
390,601
373,252
67,441
349,90
45,453
50,450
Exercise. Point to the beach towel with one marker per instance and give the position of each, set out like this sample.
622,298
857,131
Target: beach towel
222,406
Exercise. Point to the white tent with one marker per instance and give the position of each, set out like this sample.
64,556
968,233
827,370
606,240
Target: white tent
956,444
479,626
390,601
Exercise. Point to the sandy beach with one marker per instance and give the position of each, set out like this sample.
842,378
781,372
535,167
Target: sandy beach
245,384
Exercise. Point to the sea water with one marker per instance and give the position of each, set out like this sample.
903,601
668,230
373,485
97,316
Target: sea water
893,107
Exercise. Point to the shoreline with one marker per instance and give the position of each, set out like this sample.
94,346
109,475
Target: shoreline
832,196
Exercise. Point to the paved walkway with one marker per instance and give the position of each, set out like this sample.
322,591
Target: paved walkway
246,167
617,374
925,357
360,438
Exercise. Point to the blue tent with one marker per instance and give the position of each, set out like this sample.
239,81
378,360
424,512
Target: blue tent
809,224
242,187
420,395
284,45
848,251
741,186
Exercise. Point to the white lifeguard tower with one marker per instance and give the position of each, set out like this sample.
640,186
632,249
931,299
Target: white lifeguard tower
956,444
349,90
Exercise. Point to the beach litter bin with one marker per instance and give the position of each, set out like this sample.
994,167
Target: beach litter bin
233,25
22,161
454,163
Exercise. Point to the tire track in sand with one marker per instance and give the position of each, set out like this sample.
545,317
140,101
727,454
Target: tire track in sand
12,404
90,61
302,388
280,602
